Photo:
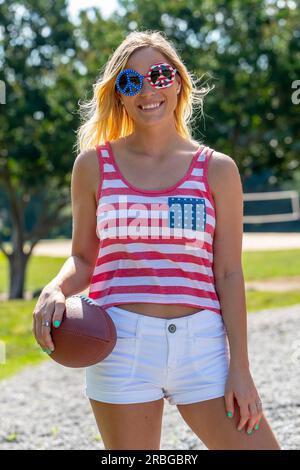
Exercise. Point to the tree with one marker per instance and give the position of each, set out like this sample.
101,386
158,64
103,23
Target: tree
249,48
36,125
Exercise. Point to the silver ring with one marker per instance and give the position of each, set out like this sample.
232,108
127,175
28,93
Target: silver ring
46,323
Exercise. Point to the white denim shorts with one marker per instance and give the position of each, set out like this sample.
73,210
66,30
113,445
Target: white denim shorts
184,360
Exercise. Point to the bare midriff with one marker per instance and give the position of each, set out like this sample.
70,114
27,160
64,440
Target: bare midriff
160,310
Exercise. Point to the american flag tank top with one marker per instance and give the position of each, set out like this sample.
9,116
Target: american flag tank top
155,246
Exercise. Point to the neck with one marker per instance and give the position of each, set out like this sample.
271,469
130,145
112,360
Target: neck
155,141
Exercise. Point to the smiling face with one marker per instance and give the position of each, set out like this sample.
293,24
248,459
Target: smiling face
140,61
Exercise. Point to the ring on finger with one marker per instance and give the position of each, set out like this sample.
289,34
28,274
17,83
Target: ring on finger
46,323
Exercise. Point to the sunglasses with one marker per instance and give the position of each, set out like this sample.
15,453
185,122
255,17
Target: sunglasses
160,75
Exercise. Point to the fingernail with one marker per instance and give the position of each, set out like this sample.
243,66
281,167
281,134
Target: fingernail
249,431
239,429
257,426
229,414
56,323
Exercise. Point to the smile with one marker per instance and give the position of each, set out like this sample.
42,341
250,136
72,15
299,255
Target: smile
152,108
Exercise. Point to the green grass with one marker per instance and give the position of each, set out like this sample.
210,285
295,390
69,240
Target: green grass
260,300
258,265
16,315
21,347
40,270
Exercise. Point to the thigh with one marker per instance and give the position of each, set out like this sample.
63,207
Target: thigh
209,421
129,426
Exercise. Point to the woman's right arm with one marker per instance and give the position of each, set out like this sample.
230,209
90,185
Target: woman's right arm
76,272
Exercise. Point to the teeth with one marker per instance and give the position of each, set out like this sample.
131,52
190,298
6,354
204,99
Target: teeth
150,106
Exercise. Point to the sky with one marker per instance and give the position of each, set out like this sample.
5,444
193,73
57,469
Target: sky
106,6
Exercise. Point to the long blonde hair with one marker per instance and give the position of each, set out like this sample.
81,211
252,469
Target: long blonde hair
104,118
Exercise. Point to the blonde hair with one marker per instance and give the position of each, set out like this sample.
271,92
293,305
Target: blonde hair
104,118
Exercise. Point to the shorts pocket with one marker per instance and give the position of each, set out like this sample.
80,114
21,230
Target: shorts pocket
125,331
210,353
124,352
211,325
118,367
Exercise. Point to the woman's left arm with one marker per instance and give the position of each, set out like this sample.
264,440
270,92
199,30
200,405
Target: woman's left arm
226,188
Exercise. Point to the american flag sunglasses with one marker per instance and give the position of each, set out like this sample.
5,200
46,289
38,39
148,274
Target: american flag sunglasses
160,75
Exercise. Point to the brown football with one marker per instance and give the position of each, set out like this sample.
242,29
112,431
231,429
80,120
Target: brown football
86,335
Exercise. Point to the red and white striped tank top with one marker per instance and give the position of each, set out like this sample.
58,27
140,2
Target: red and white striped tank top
155,246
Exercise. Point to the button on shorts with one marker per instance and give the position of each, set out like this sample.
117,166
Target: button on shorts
185,360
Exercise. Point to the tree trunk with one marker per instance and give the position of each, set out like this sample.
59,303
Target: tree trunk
17,271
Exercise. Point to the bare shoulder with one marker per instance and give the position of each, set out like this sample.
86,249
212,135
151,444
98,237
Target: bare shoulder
87,159
220,162
88,166
222,170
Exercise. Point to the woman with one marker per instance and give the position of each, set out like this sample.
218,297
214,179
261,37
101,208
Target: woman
168,267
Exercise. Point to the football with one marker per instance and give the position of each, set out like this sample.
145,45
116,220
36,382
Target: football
86,335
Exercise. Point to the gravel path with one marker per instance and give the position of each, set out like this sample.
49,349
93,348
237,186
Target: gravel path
44,407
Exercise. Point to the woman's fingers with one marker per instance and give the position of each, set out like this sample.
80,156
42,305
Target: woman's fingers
37,319
45,331
250,415
253,416
49,309
42,333
244,414
60,306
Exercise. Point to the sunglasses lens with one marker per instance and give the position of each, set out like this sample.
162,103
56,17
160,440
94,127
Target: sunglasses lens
135,80
123,81
127,79
161,76
166,72
154,75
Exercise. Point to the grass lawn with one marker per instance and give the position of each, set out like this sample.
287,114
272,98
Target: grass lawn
16,315
41,269
20,346
258,265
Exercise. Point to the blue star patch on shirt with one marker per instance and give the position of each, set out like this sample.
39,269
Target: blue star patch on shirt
187,212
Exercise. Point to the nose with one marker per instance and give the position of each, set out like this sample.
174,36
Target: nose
146,87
